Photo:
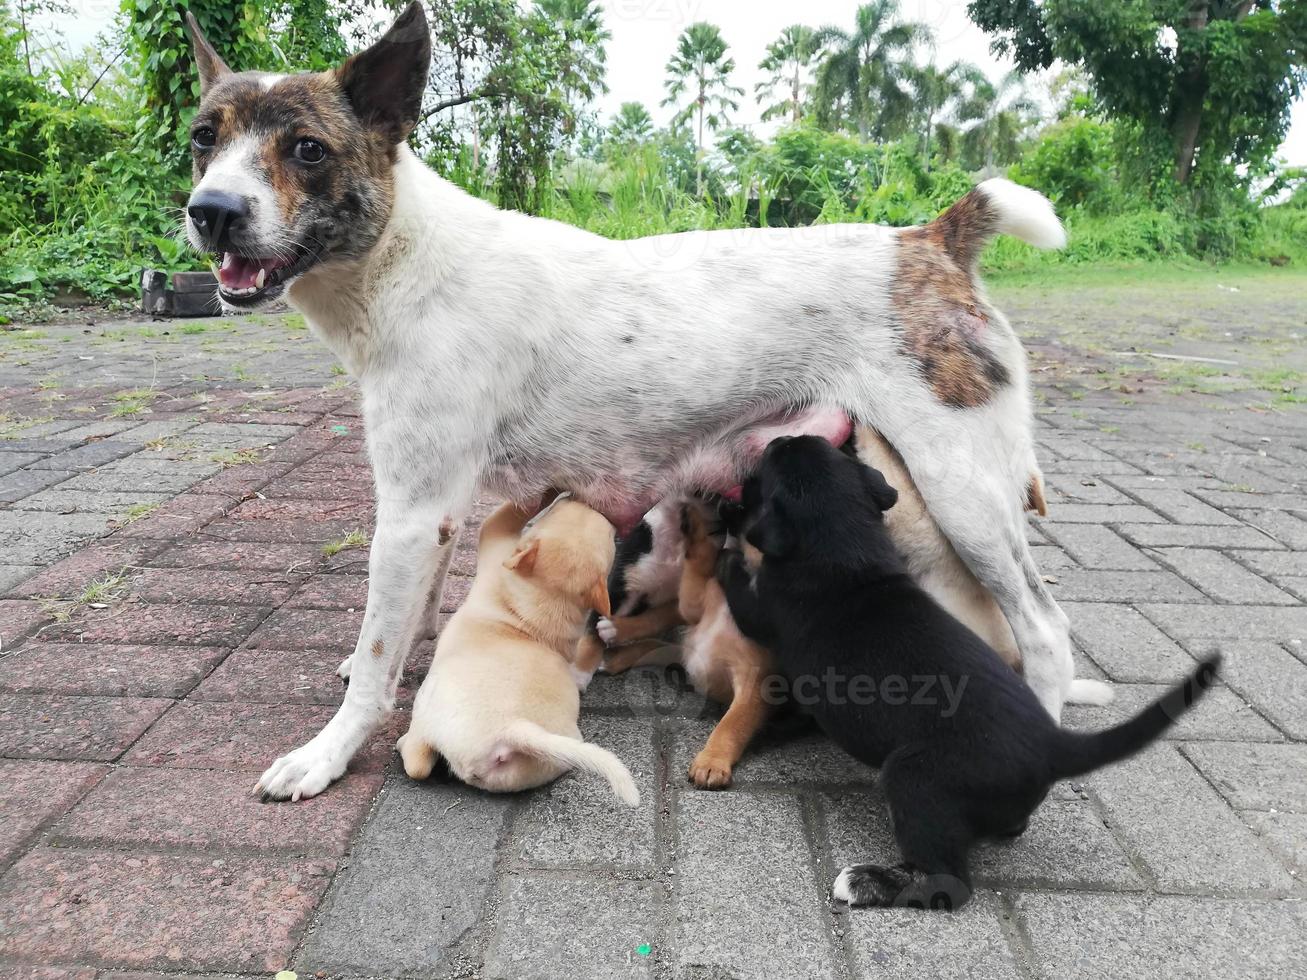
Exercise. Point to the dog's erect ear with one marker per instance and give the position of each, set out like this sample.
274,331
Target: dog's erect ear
212,69
523,560
385,83
771,533
599,600
878,487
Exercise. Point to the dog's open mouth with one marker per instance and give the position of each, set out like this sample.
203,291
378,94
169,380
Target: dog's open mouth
245,280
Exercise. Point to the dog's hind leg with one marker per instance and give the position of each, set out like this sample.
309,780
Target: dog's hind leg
932,834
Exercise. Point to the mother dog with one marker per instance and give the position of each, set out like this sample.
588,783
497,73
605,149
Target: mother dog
511,354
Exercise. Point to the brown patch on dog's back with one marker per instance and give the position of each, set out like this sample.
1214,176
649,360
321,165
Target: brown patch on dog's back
945,324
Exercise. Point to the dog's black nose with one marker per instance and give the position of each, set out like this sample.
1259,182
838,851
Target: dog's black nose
217,217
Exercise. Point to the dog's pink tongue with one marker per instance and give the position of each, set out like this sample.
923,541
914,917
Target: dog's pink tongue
238,272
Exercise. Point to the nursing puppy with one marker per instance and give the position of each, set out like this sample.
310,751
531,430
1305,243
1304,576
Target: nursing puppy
720,661
833,600
500,701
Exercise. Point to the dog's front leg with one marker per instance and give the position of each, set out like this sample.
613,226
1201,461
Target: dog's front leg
408,549
742,598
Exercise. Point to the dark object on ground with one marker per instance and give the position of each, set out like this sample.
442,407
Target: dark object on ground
191,294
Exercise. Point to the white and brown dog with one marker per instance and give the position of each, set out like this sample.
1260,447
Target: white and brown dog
510,354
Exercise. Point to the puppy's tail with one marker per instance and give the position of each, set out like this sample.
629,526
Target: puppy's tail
572,753
996,207
1077,753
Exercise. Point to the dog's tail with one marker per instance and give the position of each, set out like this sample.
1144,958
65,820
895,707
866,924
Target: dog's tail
1077,753
572,753
997,207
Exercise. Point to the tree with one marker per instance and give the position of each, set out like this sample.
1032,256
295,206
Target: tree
858,83
701,68
1211,80
582,25
936,89
789,61
994,117
631,125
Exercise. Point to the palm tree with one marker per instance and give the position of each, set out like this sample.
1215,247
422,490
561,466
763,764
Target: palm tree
631,125
701,68
937,91
859,81
995,116
789,59
582,25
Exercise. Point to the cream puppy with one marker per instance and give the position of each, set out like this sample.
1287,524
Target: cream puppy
501,699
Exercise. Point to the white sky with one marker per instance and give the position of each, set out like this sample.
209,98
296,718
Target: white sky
645,33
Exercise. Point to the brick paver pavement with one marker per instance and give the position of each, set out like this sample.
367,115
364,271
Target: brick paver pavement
180,570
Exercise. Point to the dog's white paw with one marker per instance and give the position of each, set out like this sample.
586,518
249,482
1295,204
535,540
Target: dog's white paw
1085,690
303,773
606,630
841,891
345,667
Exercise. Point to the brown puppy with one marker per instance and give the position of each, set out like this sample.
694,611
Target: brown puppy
720,661
500,701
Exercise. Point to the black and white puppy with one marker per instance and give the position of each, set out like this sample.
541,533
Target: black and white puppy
858,638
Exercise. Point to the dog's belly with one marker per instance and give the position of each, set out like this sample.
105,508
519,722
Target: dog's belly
634,483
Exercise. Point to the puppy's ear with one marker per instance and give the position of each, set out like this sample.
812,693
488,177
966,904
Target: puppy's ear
523,560
598,598
771,533
878,487
385,83
212,69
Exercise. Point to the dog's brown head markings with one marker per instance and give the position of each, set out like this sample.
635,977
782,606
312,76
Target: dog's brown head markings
944,321
295,171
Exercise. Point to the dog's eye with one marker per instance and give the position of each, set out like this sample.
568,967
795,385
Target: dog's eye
203,138
309,151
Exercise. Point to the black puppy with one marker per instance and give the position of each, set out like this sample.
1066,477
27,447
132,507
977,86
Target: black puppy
965,750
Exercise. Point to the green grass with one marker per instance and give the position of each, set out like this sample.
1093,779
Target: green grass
135,401
100,592
354,539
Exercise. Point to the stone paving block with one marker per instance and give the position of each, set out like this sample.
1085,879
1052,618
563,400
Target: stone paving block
1050,558
1271,678
12,576
1162,937
35,793
1125,644
182,515
93,563
25,540
107,669
645,691
1067,845
200,809
141,622
87,457
1087,585
10,461
222,735
1103,514
1222,578
290,558
1285,528
1081,489
1235,500
17,618
553,927
23,483
308,629
1255,777
60,501
1228,622
276,677
44,726
906,944
576,821
157,910
157,585
784,758
1200,847
140,472
1222,715
1192,536
1099,547
334,592
746,902
408,897
1180,506
1286,835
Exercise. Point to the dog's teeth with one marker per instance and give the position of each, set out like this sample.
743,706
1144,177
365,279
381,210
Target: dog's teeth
260,278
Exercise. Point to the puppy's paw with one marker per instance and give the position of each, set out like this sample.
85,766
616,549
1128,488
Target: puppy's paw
607,630
303,773
900,886
710,772
345,667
